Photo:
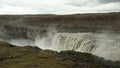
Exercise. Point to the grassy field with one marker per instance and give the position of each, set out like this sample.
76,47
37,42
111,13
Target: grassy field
33,57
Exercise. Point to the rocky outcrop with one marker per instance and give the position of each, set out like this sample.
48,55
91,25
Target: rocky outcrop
7,31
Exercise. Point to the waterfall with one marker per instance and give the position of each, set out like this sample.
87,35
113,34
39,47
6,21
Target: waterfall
78,42
100,44
105,45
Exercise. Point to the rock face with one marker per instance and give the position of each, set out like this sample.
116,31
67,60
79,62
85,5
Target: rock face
33,57
7,31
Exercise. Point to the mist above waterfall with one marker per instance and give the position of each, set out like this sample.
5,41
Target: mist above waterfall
45,42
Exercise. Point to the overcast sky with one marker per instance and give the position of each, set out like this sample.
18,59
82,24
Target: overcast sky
58,6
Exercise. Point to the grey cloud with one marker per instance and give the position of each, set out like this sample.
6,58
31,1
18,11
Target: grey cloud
65,6
1,4
108,1
80,3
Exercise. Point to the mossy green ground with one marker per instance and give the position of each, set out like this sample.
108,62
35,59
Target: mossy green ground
33,57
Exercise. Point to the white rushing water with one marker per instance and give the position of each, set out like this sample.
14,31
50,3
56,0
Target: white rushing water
103,45
69,41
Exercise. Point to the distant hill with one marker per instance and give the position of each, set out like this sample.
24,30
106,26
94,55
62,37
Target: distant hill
79,22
